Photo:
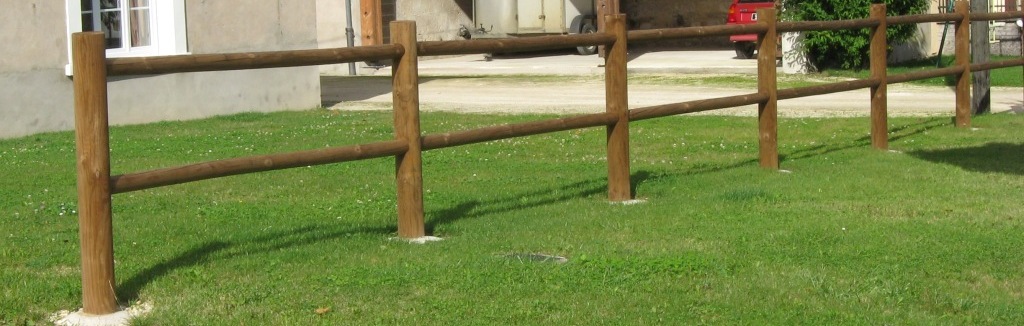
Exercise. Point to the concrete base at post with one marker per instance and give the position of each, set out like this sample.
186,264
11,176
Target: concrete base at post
629,202
419,240
122,317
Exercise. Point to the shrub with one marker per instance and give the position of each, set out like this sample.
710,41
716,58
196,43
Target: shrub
848,49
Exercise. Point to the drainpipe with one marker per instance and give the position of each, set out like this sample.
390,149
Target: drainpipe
349,34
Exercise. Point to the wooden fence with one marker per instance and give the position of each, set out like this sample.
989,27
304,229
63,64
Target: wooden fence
96,185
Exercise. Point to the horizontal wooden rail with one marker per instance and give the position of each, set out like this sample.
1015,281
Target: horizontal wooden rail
826,25
923,18
924,74
688,32
243,165
665,110
1008,15
505,45
91,110
790,93
997,64
252,60
451,139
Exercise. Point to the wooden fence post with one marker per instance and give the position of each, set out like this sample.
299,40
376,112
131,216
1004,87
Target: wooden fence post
963,59
408,166
370,22
616,101
92,143
767,111
879,48
604,8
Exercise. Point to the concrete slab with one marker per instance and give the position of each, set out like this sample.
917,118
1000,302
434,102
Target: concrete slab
119,318
569,63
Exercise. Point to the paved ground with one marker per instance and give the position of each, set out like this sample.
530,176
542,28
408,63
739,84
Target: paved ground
569,63
580,89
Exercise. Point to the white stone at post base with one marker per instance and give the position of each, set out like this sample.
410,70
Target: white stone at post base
794,61
420,240
628,202
119,318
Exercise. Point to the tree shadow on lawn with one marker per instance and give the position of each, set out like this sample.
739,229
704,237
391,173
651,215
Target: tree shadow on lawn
1004,158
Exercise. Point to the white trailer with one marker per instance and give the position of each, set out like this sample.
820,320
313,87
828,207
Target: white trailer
515,18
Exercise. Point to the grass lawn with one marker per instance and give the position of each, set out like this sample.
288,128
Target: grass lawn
1004,77
931,234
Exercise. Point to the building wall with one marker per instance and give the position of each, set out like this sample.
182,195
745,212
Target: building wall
1006,35
330,29
36,95
436,20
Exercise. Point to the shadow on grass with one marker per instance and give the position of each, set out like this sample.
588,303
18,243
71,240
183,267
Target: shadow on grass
536,198
806,152
896,133
128,290
989,158
1005,158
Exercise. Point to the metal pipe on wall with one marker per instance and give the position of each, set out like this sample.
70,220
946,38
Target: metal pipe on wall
350,34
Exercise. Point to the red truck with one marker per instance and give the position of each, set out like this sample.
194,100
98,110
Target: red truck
745,12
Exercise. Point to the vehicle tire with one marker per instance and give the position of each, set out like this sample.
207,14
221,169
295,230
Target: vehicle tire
744,50
587,28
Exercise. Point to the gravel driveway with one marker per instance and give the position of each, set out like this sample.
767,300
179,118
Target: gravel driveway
582,94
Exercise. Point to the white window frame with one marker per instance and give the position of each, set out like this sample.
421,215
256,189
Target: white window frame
168,38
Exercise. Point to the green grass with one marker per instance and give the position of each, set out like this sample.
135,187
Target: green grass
852,235
1005,77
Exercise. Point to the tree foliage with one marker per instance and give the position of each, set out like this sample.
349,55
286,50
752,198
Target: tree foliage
848,49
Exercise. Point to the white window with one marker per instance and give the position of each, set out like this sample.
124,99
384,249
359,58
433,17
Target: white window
133,28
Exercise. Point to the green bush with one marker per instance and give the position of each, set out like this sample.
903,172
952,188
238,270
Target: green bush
847,49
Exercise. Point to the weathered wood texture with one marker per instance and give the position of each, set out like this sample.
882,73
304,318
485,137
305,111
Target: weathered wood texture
371,21
665,110
252,60
826,25
923,18
1008,15
604,8
879,100
996,64
409,165
92,143
617,104
797,92
924,74
767,111
963,59
262,163
507,45
690,32
981,81
458,138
